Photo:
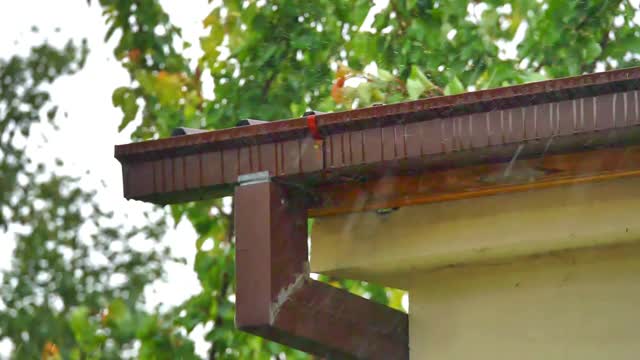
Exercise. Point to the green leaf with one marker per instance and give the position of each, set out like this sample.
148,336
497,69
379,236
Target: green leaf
418,74
177,213
415,88
148,327
264,56
79,321
84,331
117,97
200,240
210,43
417,83
364,93
531,76
385,75
51,113
117,310
592,50
454,87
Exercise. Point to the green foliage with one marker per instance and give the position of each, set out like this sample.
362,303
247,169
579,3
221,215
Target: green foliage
54,291
275,59
417,83
269,59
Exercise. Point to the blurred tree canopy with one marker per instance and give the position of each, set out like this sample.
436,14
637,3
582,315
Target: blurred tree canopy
73,270
267,60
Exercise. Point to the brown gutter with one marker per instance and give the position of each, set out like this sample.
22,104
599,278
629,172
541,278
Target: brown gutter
572,114
386,115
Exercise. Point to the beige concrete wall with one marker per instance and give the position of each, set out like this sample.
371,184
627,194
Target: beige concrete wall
386,249
572,305
546,274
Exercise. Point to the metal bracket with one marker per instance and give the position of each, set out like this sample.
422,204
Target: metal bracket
254,178
249,122
180,131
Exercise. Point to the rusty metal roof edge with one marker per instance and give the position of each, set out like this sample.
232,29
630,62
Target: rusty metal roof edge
476,101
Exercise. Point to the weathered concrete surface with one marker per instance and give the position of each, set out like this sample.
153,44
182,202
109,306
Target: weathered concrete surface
572,305
500,228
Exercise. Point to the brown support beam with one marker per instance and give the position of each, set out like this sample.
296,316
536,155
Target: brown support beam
277,299
479,180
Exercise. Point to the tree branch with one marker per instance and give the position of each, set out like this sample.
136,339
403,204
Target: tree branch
401,22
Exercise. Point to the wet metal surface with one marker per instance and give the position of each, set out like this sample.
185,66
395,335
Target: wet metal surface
384,136
278,300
